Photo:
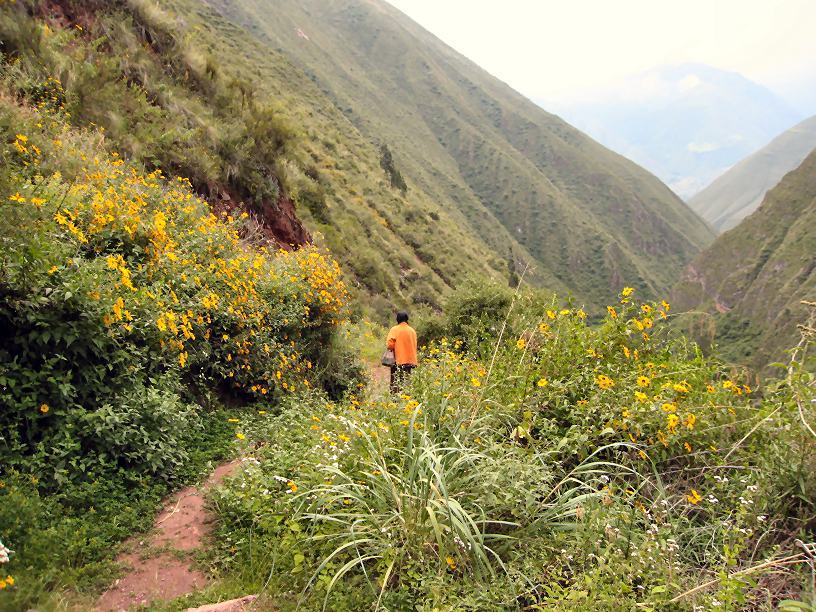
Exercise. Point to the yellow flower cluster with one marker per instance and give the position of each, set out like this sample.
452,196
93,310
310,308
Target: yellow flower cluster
604,382
170,268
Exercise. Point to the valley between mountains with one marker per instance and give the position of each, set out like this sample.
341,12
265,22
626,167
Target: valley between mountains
210,212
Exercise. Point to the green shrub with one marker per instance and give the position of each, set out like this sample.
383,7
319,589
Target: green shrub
577,466
120,291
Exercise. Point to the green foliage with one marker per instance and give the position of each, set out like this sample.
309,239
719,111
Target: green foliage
179,114
514,279
571,463
65,541
474,313
394,176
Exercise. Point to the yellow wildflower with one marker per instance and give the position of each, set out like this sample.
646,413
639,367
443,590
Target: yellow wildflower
643,381
604,382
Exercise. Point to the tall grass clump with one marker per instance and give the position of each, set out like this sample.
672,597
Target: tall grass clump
563,466
135,72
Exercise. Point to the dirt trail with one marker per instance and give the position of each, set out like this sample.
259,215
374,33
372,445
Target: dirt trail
380,378
160,562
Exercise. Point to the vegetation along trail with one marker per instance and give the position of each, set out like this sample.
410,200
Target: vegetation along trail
545,454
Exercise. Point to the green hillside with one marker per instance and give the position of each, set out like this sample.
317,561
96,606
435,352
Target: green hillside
296,129
755,276
740,191
162,312
502,173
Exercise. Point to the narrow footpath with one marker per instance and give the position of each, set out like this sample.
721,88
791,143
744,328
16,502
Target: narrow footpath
160,563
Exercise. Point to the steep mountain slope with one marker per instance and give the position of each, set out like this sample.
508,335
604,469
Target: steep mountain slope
183,96
739,192
486,157
323,121
688,124
753,278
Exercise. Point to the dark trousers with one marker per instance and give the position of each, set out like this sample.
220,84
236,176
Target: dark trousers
399,376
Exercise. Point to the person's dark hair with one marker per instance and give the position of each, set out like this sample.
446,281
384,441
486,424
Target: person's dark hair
402,317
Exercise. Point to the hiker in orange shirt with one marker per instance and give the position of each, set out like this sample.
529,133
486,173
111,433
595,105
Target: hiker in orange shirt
402,339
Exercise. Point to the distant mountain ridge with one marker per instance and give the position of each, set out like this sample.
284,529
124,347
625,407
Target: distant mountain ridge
753,278
482,156
688,123
739,192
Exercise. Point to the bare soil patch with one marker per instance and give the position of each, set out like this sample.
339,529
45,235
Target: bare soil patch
380,379
160,564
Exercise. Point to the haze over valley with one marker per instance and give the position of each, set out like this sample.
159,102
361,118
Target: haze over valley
687,124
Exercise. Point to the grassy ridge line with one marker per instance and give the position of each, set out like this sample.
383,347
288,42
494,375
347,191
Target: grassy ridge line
177,109
432,93
421,234
740,191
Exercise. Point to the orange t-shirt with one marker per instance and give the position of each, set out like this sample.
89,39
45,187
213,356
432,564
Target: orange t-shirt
402,339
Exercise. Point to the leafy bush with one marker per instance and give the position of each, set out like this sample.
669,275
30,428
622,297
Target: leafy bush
575,465
122,299
126,281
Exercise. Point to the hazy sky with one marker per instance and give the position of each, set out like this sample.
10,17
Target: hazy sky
542,48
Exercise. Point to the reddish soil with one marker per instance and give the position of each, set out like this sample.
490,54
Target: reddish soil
380,379
160,563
